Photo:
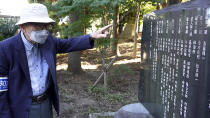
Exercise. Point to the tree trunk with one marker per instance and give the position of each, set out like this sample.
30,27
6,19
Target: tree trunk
74,61
164,3
115,50
171,2
136,27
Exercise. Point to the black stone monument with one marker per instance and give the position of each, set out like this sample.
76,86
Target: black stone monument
175,78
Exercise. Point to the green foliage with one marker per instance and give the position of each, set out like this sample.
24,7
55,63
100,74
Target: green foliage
114,98
99,92
96,90
146,7
102,43
7,28
78,9
122,69
88,11
36,1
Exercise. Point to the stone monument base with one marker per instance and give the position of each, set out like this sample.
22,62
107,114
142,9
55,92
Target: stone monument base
136,110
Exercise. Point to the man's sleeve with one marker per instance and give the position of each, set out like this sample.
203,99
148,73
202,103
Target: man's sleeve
74,44
4,105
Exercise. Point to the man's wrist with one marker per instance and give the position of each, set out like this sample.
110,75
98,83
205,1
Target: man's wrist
91,38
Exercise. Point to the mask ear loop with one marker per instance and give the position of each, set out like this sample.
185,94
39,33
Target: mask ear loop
22,29
25,33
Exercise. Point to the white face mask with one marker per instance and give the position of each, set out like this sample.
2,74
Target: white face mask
39,36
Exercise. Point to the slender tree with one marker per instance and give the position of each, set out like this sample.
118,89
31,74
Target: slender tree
115,50
138,6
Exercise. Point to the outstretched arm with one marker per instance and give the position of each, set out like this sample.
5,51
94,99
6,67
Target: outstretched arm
81,42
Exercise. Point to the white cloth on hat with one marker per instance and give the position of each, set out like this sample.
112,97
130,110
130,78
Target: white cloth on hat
36,13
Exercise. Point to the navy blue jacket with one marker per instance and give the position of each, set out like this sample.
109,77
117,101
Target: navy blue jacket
16,101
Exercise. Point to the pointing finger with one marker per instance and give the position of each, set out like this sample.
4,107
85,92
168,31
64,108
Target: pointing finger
106,27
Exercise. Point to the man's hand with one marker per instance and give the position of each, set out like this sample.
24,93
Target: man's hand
101,33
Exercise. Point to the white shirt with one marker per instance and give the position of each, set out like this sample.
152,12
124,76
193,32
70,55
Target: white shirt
38,67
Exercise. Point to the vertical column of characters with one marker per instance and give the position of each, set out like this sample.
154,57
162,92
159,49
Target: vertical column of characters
176,31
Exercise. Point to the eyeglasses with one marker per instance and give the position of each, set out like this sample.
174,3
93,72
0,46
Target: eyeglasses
40,25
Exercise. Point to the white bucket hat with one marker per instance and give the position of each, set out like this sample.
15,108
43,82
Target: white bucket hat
36,13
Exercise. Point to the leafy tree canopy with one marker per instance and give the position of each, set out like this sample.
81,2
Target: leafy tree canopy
7,28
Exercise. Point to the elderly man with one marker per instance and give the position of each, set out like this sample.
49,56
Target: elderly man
28,87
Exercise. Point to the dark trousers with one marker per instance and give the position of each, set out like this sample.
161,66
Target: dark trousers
41,110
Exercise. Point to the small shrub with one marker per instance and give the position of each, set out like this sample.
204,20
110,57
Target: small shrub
122,69
114,98
98,90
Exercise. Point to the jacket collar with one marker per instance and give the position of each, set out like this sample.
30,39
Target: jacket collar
19,42
28,45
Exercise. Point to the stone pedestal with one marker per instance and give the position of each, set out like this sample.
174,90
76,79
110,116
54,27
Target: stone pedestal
136,110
